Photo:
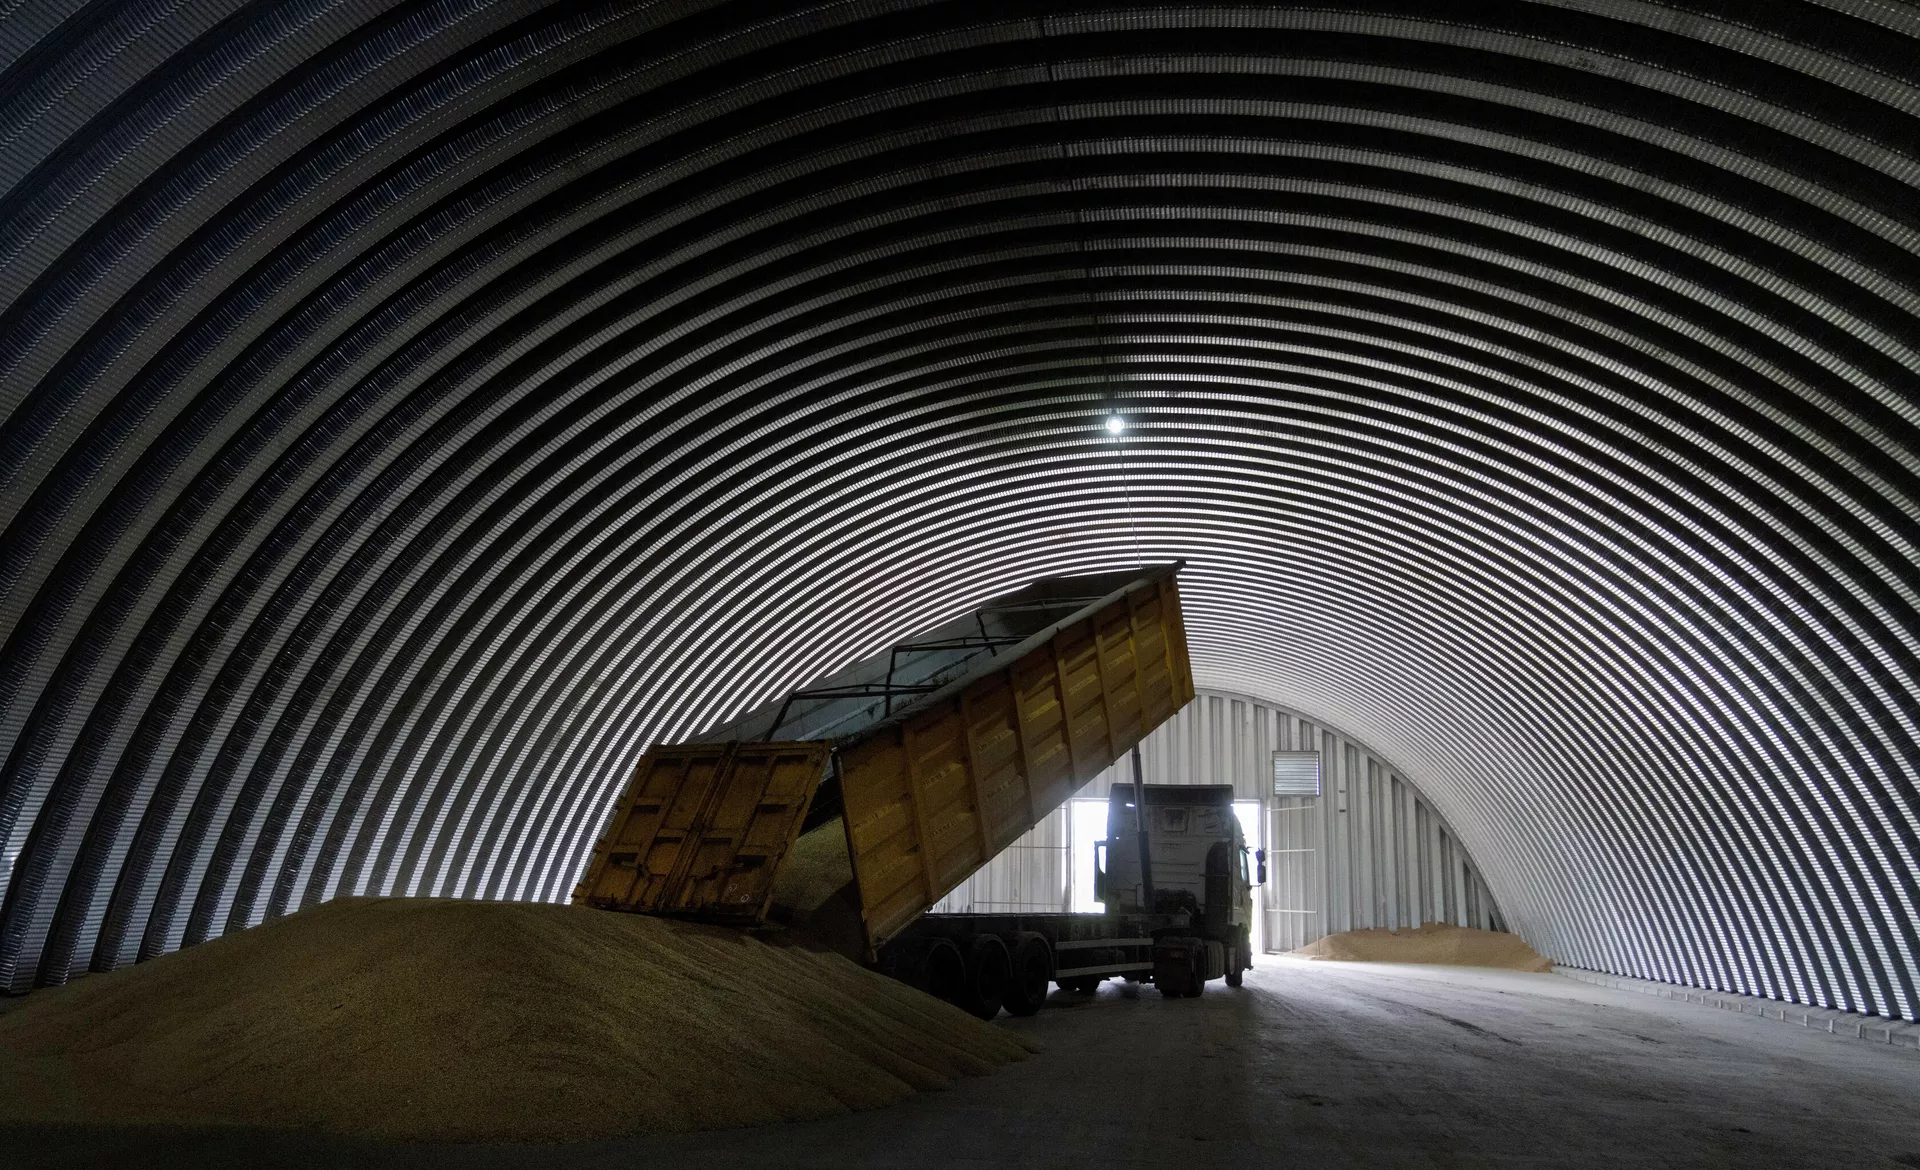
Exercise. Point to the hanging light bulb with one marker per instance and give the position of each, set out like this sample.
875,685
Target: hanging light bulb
1115,424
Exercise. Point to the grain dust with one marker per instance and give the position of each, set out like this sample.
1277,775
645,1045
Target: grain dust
415,1018
1456,946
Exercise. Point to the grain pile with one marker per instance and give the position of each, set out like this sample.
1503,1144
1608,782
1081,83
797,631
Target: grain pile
815,869
431,1019
1435,942
814,896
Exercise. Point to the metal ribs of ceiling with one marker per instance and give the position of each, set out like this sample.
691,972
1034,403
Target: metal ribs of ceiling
414,409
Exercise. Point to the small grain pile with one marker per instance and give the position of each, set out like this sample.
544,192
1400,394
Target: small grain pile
475,1021
1435,942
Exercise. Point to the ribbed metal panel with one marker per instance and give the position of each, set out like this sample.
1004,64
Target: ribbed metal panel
1029,876
1372,851
414,409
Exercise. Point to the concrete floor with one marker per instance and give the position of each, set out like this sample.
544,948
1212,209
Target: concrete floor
1311,1064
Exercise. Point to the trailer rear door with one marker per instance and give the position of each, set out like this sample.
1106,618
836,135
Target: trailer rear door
702,829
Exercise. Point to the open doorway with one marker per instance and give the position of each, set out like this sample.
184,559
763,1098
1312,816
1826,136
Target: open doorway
1249,814
1086,826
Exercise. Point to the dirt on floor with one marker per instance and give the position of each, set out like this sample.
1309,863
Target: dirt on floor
1456,946
422,1018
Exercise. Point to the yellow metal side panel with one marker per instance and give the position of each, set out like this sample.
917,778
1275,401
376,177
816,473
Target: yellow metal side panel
1083,700
1043,731
943,785
1175,624
883,835
1114,633
702,829
1000,776
931,801
1155,676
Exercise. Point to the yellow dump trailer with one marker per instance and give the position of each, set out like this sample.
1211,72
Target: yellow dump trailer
936,755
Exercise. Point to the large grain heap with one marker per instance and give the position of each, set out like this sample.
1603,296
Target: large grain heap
418,1018
1435,942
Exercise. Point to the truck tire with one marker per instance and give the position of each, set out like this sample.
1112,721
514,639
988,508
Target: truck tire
946,970
1031,973
934,965
987,977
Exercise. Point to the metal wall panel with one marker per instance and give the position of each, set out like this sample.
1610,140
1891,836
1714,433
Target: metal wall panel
1369,852
1027,877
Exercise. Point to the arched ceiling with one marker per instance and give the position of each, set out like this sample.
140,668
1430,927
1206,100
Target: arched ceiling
412,410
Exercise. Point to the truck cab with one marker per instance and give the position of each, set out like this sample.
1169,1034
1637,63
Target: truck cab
1199,871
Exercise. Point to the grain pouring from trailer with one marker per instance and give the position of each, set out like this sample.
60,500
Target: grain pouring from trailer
906,772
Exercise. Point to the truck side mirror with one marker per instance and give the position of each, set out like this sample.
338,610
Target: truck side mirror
1099,872
1260,856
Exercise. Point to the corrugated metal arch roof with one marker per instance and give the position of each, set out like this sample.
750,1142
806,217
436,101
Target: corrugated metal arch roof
412,410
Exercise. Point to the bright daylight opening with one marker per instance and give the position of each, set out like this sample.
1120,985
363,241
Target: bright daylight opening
1086,825
1247,812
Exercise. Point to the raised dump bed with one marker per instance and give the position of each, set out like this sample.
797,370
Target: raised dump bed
935,754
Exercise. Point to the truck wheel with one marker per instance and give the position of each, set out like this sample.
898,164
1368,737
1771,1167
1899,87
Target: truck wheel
1233,977
987,971
946,971
1032,971
1241,959
934,965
